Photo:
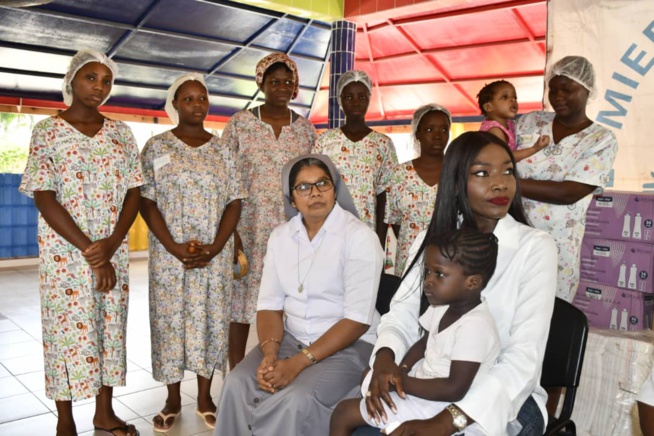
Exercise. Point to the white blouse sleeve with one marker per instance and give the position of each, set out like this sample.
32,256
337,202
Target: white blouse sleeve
517,373
271,296
399,329
362,271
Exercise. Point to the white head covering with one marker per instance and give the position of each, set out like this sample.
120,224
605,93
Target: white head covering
576,68
80,59
343,197
170,109
421,112
349,77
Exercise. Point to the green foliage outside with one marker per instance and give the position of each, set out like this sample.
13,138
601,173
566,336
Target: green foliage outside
15,131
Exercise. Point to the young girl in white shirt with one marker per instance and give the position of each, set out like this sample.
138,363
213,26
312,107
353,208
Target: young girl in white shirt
460,338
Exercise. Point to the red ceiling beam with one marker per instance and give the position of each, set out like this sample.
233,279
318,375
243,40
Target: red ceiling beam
456,13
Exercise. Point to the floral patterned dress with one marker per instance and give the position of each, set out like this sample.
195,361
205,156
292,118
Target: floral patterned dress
83,329
261,157
189,309
586,157
366,167
409,203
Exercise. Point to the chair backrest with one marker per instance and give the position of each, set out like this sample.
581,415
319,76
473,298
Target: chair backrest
387,287
564,354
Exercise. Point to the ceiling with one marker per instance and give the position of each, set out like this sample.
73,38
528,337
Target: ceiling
440,51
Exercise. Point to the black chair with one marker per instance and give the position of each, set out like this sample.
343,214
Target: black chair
387,287
564,356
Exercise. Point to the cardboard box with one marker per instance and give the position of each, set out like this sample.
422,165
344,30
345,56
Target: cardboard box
621,215
608,307
627,265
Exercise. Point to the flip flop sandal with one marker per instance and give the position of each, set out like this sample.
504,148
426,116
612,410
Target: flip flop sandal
164,419
126,428
204,416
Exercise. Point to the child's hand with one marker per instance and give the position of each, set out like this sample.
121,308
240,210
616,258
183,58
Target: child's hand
542,142
105,277
99,252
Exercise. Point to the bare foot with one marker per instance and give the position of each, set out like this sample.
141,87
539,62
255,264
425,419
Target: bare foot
165,420
114,425
207,409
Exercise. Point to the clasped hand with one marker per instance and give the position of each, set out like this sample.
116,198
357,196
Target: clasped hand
273,374
193,254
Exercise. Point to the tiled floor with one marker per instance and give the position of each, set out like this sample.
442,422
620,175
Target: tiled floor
24,408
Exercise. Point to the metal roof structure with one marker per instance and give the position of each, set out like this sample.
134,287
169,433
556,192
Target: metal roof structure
427,51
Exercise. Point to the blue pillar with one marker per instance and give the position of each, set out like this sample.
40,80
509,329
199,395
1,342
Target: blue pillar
341,60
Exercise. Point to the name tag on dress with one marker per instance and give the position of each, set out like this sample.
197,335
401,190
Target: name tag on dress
161,162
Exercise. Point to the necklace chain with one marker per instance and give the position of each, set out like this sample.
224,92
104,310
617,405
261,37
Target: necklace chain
300,287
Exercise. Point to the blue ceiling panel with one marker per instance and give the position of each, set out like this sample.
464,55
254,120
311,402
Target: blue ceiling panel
309,71
32,61
236,87
173,51
280,35
21,26
314,42
146,75
207,19
245,62
155,41
122,11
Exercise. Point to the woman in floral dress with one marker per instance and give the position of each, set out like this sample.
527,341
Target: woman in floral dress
558,181
364,157
84,173
263,139
191,203
412,195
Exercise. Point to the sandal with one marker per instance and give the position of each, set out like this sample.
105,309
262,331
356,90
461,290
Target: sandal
164,418
126,428
205,415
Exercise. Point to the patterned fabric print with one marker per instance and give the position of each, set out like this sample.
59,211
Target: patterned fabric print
409,203
189,309
261,157
486,125
366,167
586,157
83,330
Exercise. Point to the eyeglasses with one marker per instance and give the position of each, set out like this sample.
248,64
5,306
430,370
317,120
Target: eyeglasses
305,189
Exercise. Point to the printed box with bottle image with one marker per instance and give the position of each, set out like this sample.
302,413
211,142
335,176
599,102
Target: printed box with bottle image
621,215
622,264
608,307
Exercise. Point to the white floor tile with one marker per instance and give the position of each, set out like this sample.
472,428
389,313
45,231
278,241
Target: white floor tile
23,365
42,425
29,348
14,337
151,401
19,407
7,325
34,381
139,380
9,387
4,372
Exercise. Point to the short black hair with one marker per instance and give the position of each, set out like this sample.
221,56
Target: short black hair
487,92
475,251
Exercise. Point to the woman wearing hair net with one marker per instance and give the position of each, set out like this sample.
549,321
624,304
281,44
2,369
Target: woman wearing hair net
410,201
364,157
84,173
191,202
262,139
557,182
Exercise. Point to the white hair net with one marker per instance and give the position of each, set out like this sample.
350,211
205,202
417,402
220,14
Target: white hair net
170,110
349,77
421,112
80,59
576,68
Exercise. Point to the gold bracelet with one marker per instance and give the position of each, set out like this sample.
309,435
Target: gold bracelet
261,345
309,356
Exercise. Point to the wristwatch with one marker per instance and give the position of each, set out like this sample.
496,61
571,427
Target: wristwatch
458,418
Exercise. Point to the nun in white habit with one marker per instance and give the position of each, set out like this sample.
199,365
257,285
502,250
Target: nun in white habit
316,317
